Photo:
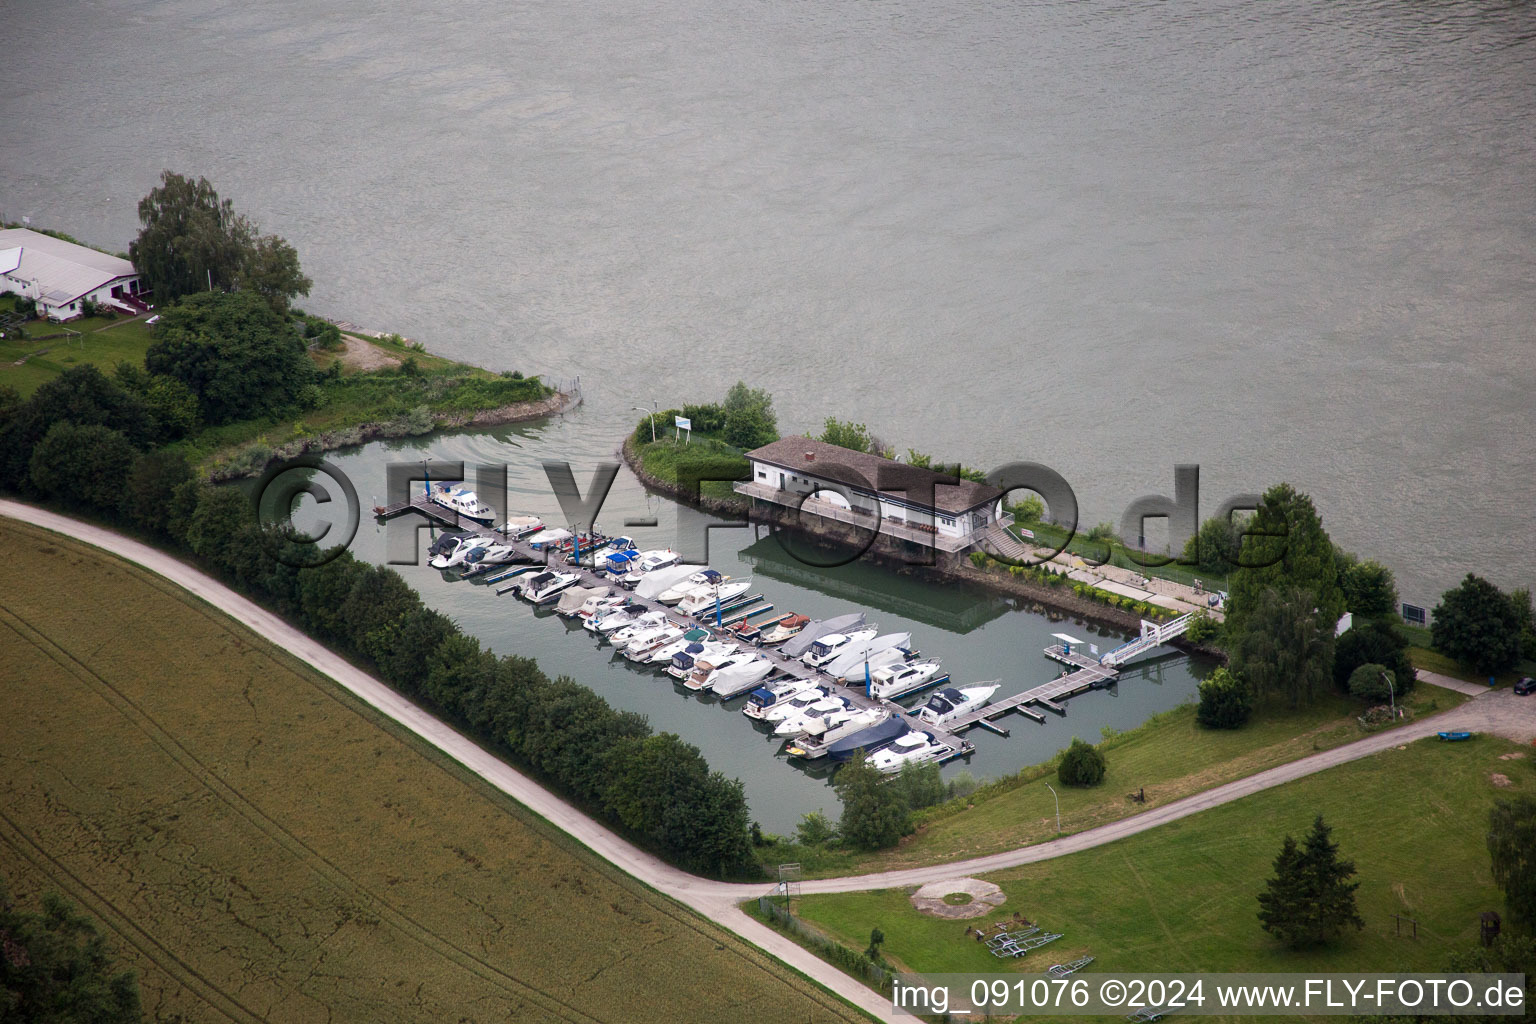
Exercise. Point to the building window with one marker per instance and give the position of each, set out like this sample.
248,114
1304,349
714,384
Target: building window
946,521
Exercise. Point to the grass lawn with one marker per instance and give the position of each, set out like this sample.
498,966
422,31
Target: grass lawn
122,341
1434,661
258,846
662,459
1183,897
1170,757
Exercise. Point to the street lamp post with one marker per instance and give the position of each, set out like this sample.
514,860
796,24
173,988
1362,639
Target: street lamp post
652,411
1058,808
1391,693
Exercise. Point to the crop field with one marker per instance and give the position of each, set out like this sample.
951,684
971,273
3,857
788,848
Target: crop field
258,847
1183,897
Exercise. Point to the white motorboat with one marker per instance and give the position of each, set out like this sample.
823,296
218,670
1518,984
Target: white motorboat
650,561
708,650
663,654
600,606
703,602
829,709
689,585
494,553
898,680
621,637
911,748
705,669
640,651
611,619
740,677
824,649
849,662
520,526
820,730
884,659
817,628
765,698
794,706
455,556
465,502
577,600
951,703
611,546
644,633
540,590
784,629
658,580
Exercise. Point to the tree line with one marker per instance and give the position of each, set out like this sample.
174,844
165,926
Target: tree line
92,444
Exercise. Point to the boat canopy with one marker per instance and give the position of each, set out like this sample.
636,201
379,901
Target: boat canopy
801,641
552,537
877,735
946,700
1068,639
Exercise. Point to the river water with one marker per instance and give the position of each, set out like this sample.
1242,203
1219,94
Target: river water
979,636
1284,240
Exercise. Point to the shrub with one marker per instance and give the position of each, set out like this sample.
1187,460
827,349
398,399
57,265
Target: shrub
1225,702
1369,683
1081,765
1203,629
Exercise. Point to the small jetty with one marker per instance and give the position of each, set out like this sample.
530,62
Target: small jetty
1083,668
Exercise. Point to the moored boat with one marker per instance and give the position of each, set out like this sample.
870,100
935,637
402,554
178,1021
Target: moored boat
825,648
951,703
740,677
801,642
764,698
851,660
868,740
900,680
541,590
465,502
703,602
909,748
784,629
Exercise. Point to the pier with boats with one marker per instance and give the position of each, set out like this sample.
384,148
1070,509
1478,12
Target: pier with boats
831,687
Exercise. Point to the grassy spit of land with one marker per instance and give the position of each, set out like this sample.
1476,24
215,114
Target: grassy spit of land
258,846
370,387
1183,897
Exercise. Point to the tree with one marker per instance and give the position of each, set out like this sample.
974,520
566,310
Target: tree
749,418
189,240
84,396
1376,642
224,532
1081,765
1213,548
271,270
83,466
55,967
1284,545
192,241
153,497
1310,900
874,815
1512,846
920,785
1225,702
850,435
876,937
815,829
1283,646
1368,682
1369,588
240,358
1478,625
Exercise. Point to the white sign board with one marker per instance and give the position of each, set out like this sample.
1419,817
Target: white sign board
683,422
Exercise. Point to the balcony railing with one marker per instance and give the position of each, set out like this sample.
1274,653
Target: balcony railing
927,536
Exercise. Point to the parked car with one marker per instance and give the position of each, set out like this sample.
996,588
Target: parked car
1525,686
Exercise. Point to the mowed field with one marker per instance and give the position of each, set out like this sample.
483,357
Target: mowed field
1184,897
259,847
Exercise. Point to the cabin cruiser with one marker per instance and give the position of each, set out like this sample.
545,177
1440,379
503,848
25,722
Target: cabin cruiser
825,648
646,632
664,653
864,670
610,620
455,555
703,602
706,669
466,503
575,599
650,561
546,586
520,526
657,581
621,637
784,629
909,748
689,585
766,697
899,680
446,542
816,628
617,563
737,679
684,661
951,703
818,731
494,553
793,706
641,648
869,740
829,710
850,661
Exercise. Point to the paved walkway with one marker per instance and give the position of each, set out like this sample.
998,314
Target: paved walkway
1451,683
1496,711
